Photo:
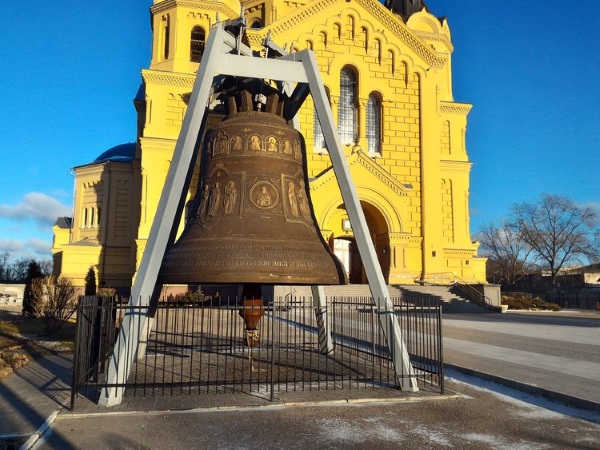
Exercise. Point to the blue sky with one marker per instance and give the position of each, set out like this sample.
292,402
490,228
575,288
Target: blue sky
71,69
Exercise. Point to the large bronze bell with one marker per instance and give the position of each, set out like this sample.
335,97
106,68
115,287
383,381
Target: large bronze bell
252,220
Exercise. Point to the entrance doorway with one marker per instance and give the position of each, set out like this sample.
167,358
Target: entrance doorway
345,248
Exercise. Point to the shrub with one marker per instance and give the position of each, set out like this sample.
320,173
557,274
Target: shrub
527,302
55,301
34,271
90,282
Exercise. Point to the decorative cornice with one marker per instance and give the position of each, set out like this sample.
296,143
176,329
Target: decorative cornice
397,238
190,4
415,42
382,175
456,166
168,78
436,38
375,169
455,108
459,252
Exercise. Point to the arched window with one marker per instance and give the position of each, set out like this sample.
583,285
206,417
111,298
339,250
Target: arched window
374,124
256,24
318,138
166,39
347,110
198,38
317,132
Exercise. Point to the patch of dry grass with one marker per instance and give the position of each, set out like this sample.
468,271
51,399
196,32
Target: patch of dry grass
23,340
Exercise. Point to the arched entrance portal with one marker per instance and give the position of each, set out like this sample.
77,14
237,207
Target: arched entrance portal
345,248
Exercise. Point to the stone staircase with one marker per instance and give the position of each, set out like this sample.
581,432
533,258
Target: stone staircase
452,302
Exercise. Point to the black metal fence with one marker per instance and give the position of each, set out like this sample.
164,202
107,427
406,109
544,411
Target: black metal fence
208,348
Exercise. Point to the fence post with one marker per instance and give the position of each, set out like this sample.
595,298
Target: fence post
320,305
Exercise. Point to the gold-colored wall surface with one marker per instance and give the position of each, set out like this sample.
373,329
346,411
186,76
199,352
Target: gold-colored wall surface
405,145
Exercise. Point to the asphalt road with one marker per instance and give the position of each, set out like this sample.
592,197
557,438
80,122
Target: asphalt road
559,351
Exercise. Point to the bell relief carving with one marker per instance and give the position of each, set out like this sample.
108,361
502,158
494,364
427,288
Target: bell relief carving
230,198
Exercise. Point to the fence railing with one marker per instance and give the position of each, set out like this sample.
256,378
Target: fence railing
451,279
208,348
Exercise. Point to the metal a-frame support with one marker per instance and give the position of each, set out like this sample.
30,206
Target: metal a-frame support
301,68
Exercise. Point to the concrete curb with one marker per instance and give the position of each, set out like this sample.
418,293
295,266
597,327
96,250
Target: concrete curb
40,432
553,396
274,405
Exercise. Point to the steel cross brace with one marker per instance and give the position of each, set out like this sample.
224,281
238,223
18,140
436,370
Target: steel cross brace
299,67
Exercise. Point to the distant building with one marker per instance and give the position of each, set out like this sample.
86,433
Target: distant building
387,70
11,294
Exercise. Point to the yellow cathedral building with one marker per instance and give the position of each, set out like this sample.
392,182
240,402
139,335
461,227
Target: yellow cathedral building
388,74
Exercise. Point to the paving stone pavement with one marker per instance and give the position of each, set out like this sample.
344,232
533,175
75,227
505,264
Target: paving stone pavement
34,394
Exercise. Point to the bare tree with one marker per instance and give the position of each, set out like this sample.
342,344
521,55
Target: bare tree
507,251
20,269
55,301
558,231
4,267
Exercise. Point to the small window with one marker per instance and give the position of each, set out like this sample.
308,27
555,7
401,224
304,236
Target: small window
198,39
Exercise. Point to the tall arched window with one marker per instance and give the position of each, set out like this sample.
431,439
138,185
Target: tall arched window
165,38
347,110
317,132
198,38
374,124
318,138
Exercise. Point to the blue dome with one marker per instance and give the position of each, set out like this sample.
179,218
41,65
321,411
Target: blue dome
119,153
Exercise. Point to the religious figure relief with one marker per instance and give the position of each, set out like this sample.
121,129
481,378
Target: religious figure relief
204,201
255,143
221,145
293,199
213,201
230,197
237,143
272,144
297,150
263,198
287,147
303,201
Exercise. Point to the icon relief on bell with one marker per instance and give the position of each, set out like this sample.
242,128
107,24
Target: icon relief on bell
221,145
303,200
204,200
297,149
287,147
230,198
272,144
293,200
263,198
237,143
213,200
255,143
264,195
